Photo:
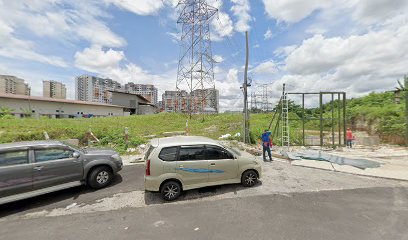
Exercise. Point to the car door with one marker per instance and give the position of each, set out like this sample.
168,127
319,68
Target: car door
192,165
55,165
15,172
222,164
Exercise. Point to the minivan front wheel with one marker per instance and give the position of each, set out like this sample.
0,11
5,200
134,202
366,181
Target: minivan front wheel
249,178
100,177
170,190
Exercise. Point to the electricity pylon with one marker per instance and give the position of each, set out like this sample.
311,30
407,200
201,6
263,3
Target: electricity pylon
196,65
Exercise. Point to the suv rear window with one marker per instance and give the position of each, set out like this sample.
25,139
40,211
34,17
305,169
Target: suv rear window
168,154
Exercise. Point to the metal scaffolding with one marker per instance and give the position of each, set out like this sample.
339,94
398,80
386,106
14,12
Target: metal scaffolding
336,120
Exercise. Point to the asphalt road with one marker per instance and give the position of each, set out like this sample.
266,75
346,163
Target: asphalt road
370,213
129,179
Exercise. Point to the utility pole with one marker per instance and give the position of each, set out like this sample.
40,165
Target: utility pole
245,87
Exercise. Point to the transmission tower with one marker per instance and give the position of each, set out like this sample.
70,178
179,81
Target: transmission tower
195,69
265,98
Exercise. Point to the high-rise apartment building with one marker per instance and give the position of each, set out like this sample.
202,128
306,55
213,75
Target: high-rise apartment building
199,101
94,89
13,85
148,91
175,101
205,101
54,89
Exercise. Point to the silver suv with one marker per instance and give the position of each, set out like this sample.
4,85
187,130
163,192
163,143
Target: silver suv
29,169
181,163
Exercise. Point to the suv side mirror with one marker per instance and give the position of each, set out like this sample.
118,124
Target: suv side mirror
76,155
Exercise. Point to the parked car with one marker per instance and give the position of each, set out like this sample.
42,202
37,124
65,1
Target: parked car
180,163
29,169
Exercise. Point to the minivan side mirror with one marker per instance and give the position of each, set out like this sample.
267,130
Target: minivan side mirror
76,155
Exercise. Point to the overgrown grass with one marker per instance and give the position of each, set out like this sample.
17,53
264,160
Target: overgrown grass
110,131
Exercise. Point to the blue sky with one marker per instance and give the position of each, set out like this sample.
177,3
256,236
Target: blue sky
356,46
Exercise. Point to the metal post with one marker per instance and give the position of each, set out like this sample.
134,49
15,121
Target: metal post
338,117
321,118
126,137
303,118
344,118
332,117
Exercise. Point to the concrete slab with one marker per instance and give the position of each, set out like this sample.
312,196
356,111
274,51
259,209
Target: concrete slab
388,171
313,164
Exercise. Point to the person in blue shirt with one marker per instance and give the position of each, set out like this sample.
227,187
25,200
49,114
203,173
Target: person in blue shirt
266,144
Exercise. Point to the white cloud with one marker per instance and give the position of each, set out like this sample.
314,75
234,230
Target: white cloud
357,64
140,7
292,11
113,64
175,37
268,67
95,59
374,11
218,58
229,85
256,46
241,10
221,26
268,34
13,47
284,51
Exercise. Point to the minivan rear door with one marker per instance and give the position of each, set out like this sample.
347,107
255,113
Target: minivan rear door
54,166
192,166
15,172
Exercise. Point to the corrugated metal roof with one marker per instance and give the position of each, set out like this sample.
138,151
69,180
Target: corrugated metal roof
45,99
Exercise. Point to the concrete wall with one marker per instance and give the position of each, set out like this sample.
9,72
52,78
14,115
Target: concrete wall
21,106
146,109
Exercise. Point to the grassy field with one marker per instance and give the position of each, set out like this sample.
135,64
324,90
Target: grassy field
110,131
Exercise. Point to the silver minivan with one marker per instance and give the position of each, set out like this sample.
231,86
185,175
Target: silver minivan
29,169
180,163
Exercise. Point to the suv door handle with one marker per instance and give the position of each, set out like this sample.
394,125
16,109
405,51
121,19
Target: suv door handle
181,166
212,164
38,168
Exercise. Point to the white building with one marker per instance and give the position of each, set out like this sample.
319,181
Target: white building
13,85
21,106
199,101
94,89
148,91
54,89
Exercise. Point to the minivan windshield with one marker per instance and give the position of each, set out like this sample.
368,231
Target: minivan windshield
233,150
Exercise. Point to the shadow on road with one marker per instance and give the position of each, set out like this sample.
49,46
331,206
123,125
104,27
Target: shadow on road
201,193
57,198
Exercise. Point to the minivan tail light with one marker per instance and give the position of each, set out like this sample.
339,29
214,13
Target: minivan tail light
148,168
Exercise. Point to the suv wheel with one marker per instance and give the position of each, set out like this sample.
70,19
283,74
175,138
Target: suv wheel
249,178
170,191
100,177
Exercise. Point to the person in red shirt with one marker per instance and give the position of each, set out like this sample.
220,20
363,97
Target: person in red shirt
349,138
